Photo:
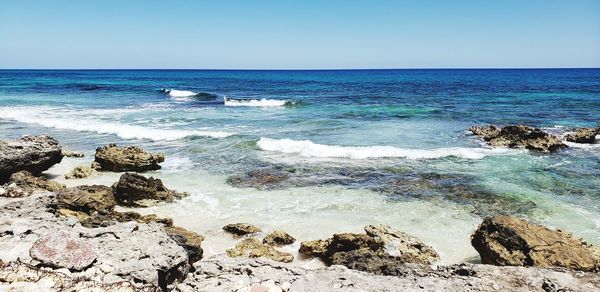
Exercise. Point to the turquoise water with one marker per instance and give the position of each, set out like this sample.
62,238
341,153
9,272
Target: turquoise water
357,147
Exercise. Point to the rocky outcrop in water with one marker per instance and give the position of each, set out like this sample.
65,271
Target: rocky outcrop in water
519,136
31,153
128,158
583,135
79,172
259,178
278,238
377,251
254,248
136,190
241,229
510,241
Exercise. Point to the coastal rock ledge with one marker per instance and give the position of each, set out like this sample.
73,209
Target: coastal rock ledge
31,153
128,158
518,136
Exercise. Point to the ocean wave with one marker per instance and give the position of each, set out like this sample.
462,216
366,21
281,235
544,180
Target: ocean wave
263,102
187,95
307,148
42,117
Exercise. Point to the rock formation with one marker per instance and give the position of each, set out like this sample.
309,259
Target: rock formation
241,229
128,158
252,247
31,153
583,135
278,238
519,136
29,183
79,172
136,190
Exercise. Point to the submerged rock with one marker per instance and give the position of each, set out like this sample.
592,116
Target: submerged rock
519,136
252,247
29,183
377,251
241,229
86,199
510,241
136,190
128,158
31,153
64,250
79,172
583,135
278,238
259,178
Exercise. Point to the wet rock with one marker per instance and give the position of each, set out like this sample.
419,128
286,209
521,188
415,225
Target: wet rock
241,229
519,136
252,247
136,190
510,241
583,135
259,178
69,153
79,172
128,158
278,238
26,181
31,153
86,199
64,250
380,248
189,240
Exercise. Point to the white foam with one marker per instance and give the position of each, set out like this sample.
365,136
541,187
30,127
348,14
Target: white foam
582,145
307,148
180,95
263,102
54,118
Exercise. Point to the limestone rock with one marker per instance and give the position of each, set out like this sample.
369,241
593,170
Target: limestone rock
252,247
87,199
583,135
128,158
189,240
316,248
136,190
278,238
402,245
519,136
108,217
79,172
241,229
26,181
64,250
69,153
31,153
259,178
510,241
13,191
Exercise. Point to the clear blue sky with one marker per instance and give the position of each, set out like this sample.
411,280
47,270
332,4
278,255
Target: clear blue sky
299,34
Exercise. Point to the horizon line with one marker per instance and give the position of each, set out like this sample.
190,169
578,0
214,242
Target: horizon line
295,69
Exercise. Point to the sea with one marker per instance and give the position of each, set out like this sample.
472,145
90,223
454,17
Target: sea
349,148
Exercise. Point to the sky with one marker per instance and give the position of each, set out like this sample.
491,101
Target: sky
285,34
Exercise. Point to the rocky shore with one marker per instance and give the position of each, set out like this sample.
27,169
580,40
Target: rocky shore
58,238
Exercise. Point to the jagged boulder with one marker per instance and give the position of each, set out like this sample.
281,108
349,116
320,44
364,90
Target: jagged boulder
80,172
511,241
278,238
189,240
26,181
241,229
86,199
380,249
133,189
583,135
252,247
128,158
519,136
31,153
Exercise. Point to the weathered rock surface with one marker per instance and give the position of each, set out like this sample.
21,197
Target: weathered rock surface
26,181
376,251
252,247
583,135
128,158
69,153
108,217
259,178
241,229
13,191
87,199
189,240
64,250
136,190
519,136
31,153
220,273
278,238
79,172
510,241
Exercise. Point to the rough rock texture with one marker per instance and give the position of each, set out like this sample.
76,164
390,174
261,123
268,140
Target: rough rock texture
69,153
510,241
87,199
142,254
128,158
583,135
26,181
107,218
220,273
278,238
32,153
64,250
519,136
252,247
189,240
376,251
13,191
79,172
259,178
136,190
241,229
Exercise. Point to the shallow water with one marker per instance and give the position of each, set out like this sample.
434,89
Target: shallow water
356,147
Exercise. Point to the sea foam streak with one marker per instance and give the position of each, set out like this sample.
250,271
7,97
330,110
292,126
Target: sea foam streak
42,116
263,102
307,148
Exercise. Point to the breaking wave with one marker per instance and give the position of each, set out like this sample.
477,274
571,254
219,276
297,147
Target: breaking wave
307,148
263,102
187,95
